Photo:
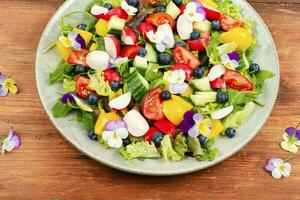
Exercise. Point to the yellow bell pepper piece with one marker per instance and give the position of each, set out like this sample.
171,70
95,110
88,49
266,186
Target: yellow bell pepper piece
188,92
238,35
209,3
63,51
103,119
87,36
175,108
210,128
217,128
93,47
102,27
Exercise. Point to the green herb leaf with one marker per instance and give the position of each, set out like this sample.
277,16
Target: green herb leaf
61,110
61,70
86,119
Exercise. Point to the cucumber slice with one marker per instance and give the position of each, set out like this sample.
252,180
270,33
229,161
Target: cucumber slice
151,53
172,10
201,84
137,85
116,25
202,98
202,26
141,64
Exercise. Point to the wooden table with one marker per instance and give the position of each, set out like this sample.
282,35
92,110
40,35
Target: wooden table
48,167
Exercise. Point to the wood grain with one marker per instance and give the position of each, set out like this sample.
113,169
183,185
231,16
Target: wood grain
47,167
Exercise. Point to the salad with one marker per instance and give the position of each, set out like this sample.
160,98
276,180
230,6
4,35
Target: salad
158,78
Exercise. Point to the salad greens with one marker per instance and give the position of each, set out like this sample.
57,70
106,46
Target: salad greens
155,79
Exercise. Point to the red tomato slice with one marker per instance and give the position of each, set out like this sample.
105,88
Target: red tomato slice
182,8
118,11
82,86
236,81
130,51
165,126
144,28
152,106
160,18
78,57
184,56
148,136
218,83
228,23
111,75
187,69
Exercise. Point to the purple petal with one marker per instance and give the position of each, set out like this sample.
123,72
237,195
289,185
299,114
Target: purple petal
193,132
3,91
10,133
189,115
66,97
269,167
197,117
185,126
111,63
16,139
298,135
2,77
234,56
76,45
81,41
200,8
115,124
290,131
72,35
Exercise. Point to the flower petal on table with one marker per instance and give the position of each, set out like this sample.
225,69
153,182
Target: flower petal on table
290,131
276,173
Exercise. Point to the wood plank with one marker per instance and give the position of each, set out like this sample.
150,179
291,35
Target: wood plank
47,167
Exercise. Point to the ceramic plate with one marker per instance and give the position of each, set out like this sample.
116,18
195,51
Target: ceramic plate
265,54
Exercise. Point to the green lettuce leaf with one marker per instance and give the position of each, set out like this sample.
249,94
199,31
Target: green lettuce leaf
227,48
236,119
98,84
227,7
212,49
208,108
194,146
69,85
100,42
209,152
152,72
180,144
60,109
139,150
58,75
86,119
168,153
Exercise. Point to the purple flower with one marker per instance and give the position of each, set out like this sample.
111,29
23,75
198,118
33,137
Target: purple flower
234,56
291,131
189,124
73,40
115,132
178,88
67,97
115,62
12,141
7,85
200,8
278,168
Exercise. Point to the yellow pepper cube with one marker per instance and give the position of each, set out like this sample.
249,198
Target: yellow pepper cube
103,119
63,51
102,27
209,3
87,36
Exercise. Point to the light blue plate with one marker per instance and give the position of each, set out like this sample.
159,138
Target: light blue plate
265,54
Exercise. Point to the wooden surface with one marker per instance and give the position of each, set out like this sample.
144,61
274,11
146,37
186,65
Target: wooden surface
47,167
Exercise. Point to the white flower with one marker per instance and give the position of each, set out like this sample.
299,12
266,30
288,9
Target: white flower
228,63
177,77
191,13
130,10
114,138
280,168
289,144
156,37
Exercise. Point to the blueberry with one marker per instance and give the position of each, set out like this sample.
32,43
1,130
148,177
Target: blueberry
114,85
198,73
177,2
92,99
160,9
165,95
230,132
164,58
179,43
195,35
142,52
132,3
108,6
92,135
157,138
81,26
126,141
79,69
254,67
222,97
202,139
215,25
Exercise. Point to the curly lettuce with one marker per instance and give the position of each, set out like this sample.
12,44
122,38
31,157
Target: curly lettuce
98,84
167,150
140,150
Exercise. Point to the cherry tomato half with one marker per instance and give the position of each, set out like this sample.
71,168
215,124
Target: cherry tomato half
228,23
111,75
152,106
160,18
236,81
187,69
144,28
130,51
82,86
78,57
218,83
184,56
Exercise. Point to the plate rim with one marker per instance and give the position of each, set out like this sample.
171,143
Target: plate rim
155,173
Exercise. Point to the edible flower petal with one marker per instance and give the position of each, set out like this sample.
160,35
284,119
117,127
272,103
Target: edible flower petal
178,88
290,139
115,131
278,168
116,62
234,56
229,63
177,77
130,10
194,12
191,122
73,40
156,37
67,97
7,85
12,141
